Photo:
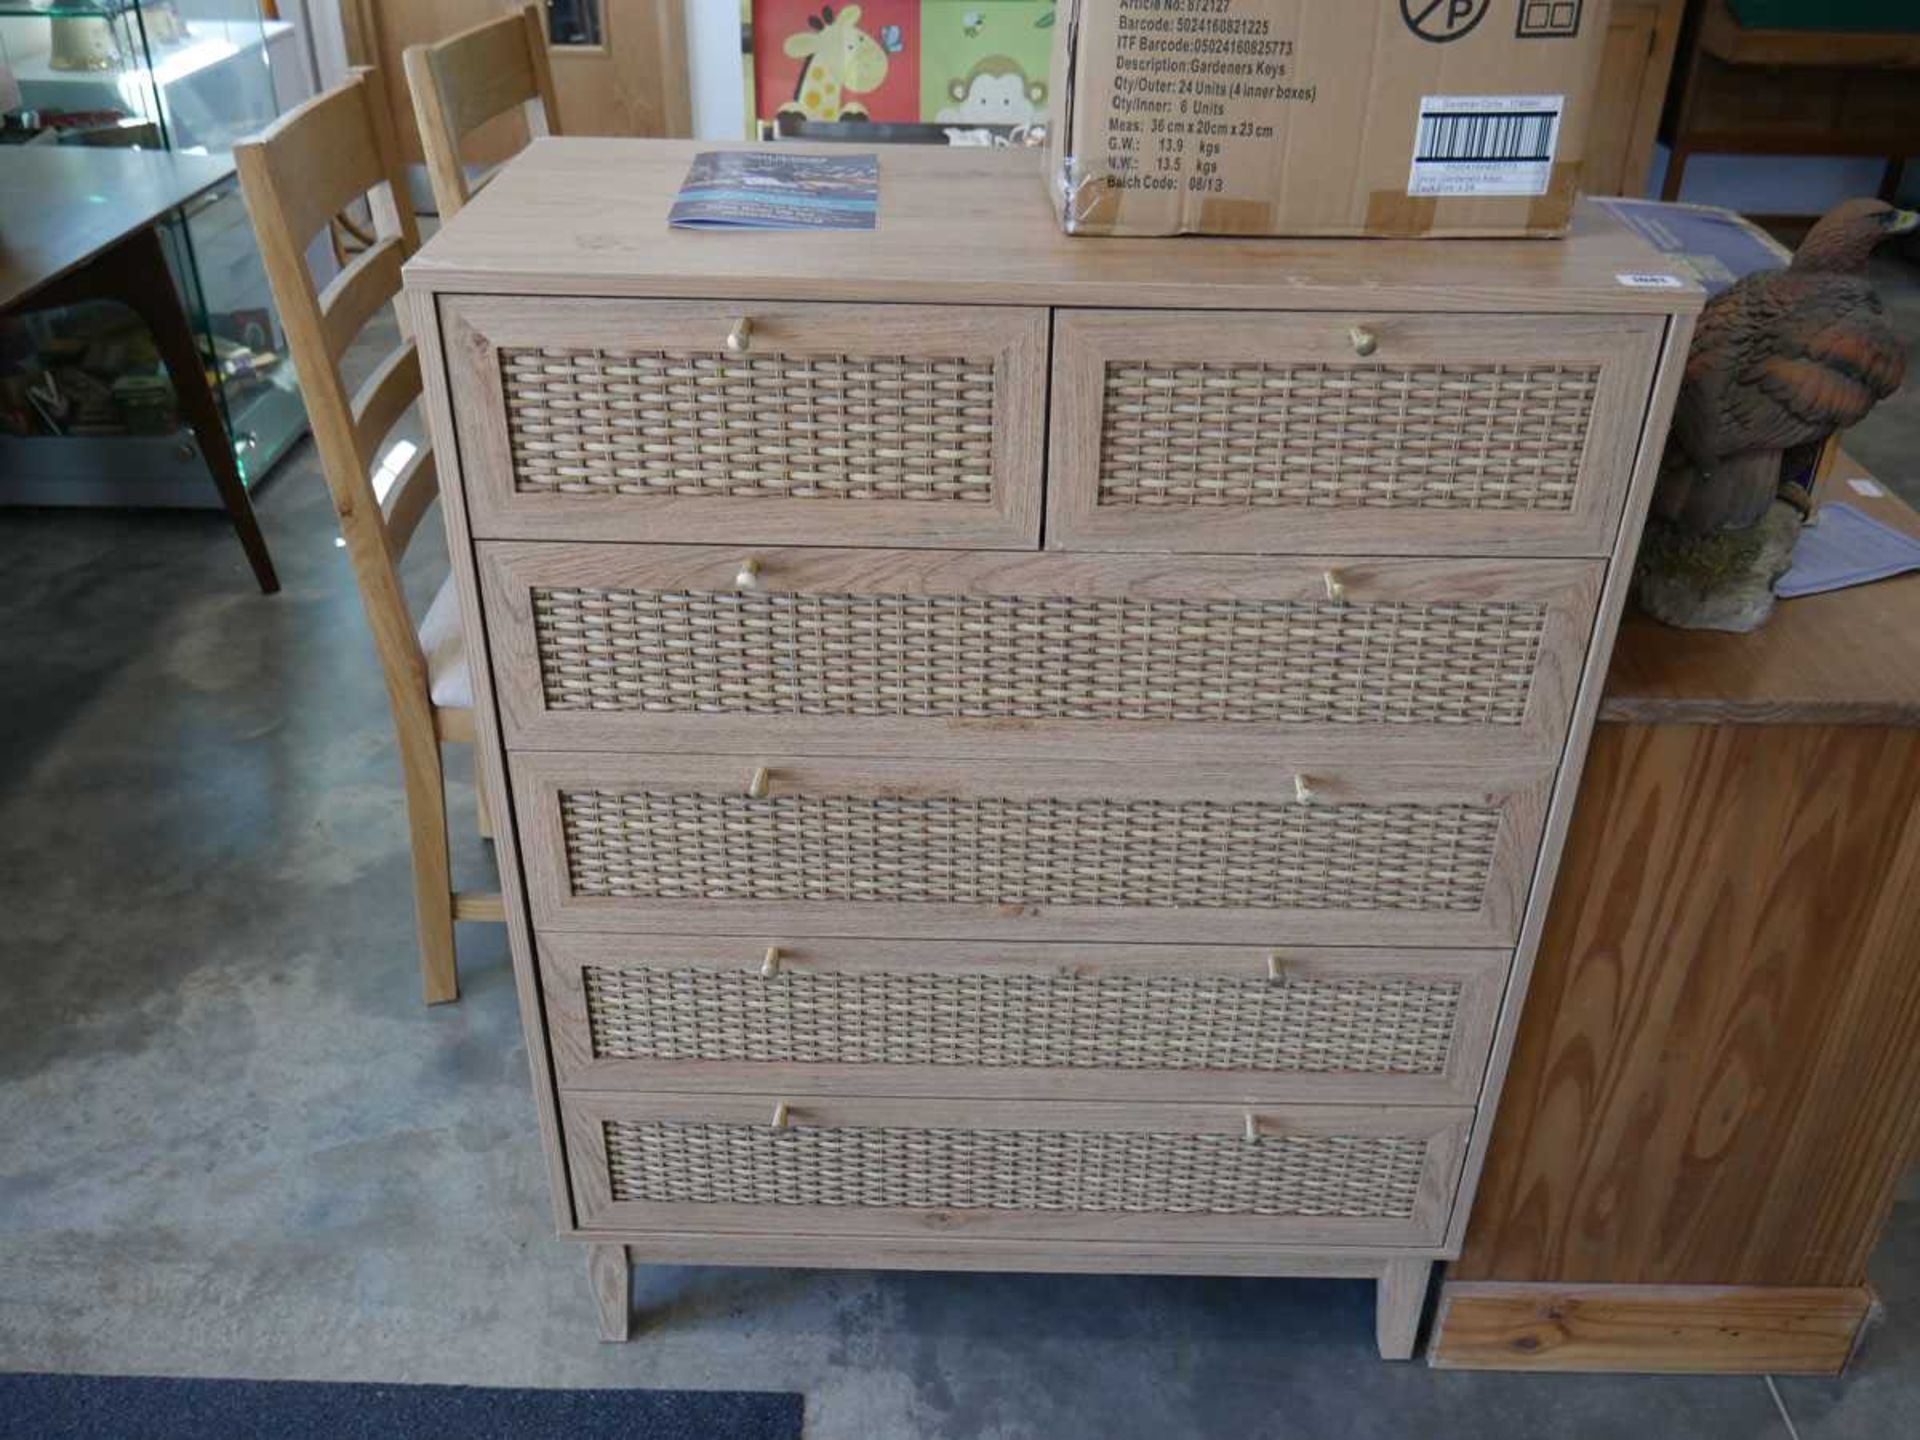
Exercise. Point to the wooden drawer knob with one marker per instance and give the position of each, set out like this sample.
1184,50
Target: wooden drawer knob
1276,966
1336,587
748,577
782,1115
1253,1126
770,966
740,336
760,784
1365,342
1303,790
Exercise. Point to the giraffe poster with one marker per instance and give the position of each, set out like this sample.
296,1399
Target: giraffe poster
857,61
948,63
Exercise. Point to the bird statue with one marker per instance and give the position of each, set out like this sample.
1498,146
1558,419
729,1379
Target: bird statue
1781,360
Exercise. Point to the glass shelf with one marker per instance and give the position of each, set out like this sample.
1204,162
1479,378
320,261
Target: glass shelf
107,8
191,75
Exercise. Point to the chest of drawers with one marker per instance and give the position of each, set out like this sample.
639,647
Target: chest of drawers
1026,753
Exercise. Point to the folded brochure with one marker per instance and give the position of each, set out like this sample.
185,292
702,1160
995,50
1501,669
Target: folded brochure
771,190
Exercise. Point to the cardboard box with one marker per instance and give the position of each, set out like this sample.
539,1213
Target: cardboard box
1322,117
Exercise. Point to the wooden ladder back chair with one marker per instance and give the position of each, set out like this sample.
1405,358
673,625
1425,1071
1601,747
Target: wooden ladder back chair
462,82
297,175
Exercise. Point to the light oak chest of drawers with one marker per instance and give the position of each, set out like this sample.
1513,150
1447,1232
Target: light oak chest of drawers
1026,753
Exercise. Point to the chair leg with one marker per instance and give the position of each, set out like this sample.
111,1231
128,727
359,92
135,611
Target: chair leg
432,870
610,1274
480,792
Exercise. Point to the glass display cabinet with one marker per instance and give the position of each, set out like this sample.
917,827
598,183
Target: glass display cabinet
192,75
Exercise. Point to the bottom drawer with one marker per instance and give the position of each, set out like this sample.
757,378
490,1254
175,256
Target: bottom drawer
812,1165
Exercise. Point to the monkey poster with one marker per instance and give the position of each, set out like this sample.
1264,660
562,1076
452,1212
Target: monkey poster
963,68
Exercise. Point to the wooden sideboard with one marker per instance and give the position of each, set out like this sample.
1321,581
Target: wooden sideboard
1023,752
1716,1087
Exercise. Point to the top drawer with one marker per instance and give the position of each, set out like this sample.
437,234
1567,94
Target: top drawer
749,423
1381,434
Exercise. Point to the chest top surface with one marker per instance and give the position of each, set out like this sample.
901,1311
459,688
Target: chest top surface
589,217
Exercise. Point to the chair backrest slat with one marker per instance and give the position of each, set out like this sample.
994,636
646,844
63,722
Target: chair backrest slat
380,402
313,162
408,499
365,286
333,153
462,82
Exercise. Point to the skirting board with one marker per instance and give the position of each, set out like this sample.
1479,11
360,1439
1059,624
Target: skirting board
1665,1329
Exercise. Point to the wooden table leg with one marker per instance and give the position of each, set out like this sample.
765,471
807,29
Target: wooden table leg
135,273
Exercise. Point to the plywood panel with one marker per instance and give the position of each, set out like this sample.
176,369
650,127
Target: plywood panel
1716,1080
1665,1329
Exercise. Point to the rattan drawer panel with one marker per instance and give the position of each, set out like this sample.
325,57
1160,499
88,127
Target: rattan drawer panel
943,1017
1397,853
808,1164
1463,434
636,420
878,651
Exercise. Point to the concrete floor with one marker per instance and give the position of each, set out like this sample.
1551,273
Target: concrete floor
232,1142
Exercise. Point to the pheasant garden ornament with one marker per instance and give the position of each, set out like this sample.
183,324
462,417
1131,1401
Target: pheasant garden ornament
1781,360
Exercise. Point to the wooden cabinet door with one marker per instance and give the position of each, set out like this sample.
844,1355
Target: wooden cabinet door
631,79
620,67
1635,67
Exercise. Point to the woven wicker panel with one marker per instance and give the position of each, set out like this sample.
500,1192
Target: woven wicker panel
687,846
1038,658
835,427
896,1167
1127,1022
1427,437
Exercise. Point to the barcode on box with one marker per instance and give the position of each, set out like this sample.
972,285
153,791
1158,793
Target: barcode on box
1486,137
1485,144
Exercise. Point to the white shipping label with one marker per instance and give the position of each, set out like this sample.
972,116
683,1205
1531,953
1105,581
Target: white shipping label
1651,280
1485,144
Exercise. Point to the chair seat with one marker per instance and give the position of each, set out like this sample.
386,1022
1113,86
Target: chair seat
444,642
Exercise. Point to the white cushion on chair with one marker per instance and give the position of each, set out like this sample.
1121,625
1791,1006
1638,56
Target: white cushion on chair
449,676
